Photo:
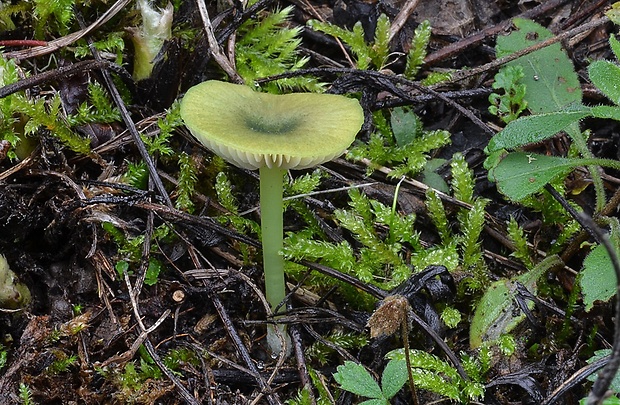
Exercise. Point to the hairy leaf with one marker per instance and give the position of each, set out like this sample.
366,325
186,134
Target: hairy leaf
520,174
550,78
393,378
605,75
355,378
598,278
536,128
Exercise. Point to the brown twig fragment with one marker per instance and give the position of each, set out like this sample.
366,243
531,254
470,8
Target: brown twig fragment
402,17
475,39
68,39
216,50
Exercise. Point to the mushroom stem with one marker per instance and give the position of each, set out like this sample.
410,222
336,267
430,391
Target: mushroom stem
271,208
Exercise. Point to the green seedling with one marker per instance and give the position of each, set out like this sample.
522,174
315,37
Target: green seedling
495,312
130,251
511,103
517,237
13,294
149,39
25,395
271,133
355,378
417,51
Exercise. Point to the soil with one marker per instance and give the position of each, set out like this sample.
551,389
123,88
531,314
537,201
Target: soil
197,334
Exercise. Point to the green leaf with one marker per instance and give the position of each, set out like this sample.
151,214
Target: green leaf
550,78
520,174
614,13
431,178
607,112
597,279
393,378
152,272
605,75
496,313
615,45
599,354
355,378
536,128
406,126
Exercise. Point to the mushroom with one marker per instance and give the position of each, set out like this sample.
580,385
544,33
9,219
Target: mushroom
271,133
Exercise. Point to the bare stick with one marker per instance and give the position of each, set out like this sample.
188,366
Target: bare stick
215,48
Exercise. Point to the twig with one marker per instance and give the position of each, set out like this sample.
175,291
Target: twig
242,350
460,46
602,383
68,39
575,379
402,17
131,126
57,74
464,74
296,339
214,47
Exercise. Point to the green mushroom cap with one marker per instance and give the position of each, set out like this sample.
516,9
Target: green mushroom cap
253,130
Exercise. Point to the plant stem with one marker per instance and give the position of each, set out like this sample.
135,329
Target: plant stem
580,143
271,207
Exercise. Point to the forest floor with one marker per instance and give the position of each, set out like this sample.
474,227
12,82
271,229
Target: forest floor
142,283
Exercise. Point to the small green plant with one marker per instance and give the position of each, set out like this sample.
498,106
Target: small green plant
303,396
23,117
383,236
373,55
188,177
267,47
433,374
521,174
400,143
159,144
380,260
25,395
417,51
130,251
355,378
62,362
3,356
321,352
522,250
53,16
132,378
112,43
511,103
